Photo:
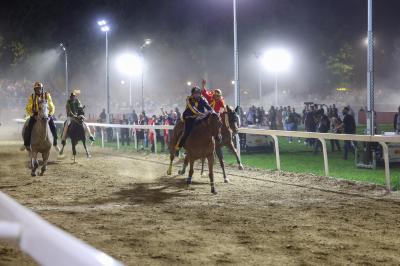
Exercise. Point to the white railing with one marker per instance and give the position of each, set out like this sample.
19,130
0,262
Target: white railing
45,243
383,140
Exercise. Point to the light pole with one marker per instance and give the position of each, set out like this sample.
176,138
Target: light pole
258,57
236,66
276,60
66,68
146,43
104,27
131,65
370,74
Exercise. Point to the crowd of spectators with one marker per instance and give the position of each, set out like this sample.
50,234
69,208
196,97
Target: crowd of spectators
313,118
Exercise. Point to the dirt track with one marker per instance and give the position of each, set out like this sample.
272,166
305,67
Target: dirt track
125,205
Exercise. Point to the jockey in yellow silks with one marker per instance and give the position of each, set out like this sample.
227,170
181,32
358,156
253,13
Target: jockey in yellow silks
32,108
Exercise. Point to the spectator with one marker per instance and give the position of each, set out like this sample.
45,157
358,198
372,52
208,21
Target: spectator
336,123
134,118
124,131
103,116
272,118
396,122
324,126
291,124
349,127
310,124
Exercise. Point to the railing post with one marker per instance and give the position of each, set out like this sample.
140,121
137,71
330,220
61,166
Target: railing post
325,153
117,140
102,138
277,155
387,169
135,138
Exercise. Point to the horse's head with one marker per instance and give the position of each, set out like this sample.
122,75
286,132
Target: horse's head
43,112
233,118
81,113
214,122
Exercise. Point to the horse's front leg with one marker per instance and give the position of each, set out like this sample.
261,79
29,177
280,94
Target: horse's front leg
45,157
34,163
86,149
171,158
220,155
191,171
185,164
210,160
233,149
74,150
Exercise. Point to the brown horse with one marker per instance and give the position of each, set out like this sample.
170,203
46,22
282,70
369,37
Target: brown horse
200,144
230,121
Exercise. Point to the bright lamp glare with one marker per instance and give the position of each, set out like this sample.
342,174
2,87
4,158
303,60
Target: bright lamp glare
129,64
189,83
147,41
276,60
105,28
101,22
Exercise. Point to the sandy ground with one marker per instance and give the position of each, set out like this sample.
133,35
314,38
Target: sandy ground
125,205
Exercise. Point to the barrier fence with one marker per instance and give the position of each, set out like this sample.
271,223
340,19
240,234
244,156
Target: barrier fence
383,140
45,243
49,245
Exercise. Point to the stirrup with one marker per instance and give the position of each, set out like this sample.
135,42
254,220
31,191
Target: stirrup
91,138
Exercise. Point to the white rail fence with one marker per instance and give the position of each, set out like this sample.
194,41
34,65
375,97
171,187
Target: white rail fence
383,140
45,243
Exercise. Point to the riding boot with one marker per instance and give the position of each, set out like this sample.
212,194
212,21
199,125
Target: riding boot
53,130
87,130
28,132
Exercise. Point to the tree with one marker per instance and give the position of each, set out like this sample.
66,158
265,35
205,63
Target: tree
341,68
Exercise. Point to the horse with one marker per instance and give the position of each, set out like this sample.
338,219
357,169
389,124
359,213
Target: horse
76,132
199,144
230,121
41,138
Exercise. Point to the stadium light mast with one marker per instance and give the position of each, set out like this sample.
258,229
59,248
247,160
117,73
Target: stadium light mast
370,75
66,68
236,66
131,65
276,60
146,43
104,27
258,58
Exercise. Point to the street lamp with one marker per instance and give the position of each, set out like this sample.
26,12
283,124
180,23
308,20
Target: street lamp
146,43
104,27
276,60
66,68
258,57
131,65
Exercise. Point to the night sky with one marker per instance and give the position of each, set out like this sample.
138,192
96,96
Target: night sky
194,38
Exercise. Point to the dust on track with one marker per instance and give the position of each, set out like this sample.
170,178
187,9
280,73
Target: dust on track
125,205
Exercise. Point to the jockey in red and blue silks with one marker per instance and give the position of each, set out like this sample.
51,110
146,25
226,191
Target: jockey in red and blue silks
197,108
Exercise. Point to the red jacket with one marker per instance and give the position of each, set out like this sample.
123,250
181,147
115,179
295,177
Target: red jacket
216,105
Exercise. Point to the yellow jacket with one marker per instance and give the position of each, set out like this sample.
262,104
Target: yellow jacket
32,105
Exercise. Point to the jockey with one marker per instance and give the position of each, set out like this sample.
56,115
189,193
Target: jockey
214,98
196,108
72,106
32,110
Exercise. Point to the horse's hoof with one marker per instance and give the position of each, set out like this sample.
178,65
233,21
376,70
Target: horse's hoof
33,174
181,172
226,180
41,173
241,167
214,191
169,172
189,181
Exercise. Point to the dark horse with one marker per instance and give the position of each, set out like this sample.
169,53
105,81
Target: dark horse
229,129
200,144
76,132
